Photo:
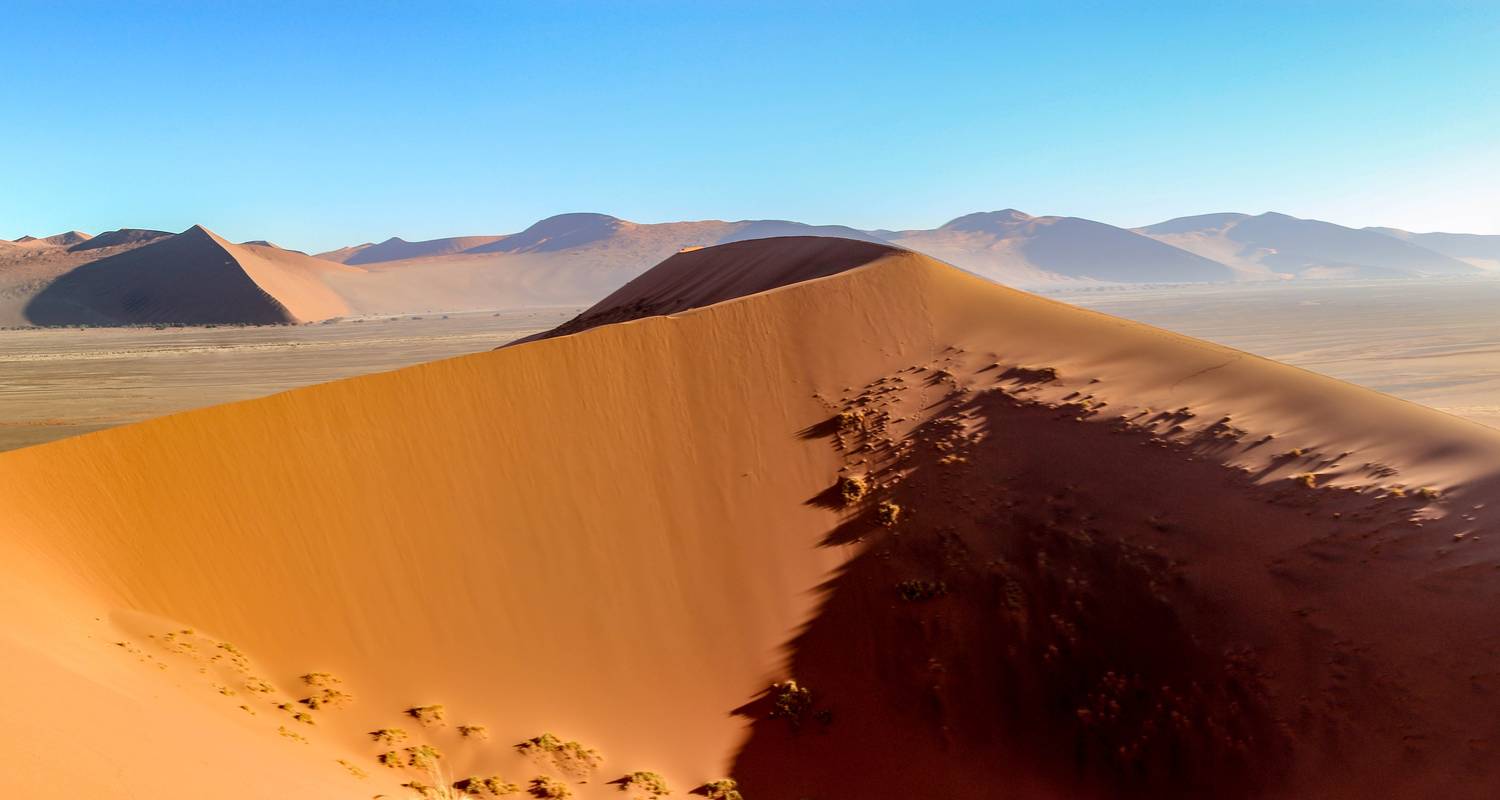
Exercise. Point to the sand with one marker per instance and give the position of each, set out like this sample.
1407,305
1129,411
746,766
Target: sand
1073,565
66,381
1428,341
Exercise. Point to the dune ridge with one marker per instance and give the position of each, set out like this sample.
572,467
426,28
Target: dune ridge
996,538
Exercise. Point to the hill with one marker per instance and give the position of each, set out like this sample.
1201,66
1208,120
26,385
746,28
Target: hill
1016,248
1480,250
980,542
194,277
1272,244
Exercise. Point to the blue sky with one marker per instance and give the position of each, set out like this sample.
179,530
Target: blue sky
322,124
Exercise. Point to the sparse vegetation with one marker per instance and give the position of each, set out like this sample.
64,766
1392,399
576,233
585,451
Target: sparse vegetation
328,698
548,788
475,732
389,735
852,488
791,702
353,770
392,759
492,786
1308,479
423,756
645,784
917,591
569,756
721,789
887,513
427,715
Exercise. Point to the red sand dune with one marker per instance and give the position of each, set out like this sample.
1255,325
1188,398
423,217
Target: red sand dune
1010,548
193,277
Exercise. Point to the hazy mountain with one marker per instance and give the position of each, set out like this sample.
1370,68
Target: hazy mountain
1012,247
1480,250
1271,244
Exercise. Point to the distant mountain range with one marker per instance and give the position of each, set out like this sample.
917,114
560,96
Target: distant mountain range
138,276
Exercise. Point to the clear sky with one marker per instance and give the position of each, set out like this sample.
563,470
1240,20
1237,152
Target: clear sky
318,125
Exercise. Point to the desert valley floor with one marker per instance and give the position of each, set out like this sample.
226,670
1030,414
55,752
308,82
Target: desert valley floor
1431,342
65,381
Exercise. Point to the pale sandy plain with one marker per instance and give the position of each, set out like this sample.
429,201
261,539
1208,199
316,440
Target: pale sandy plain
1010,547
66,381
1434,341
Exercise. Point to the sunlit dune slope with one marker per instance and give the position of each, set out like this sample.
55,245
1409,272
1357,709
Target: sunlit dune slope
1009,548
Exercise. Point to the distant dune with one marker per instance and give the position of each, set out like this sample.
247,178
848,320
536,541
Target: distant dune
1016,248
397,249
572,260
982,543
123,236
1275,244
1480,250
194,278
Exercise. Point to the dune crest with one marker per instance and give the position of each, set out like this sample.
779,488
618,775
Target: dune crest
977,540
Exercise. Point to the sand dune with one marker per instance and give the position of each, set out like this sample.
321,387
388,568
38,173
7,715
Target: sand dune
194,277
1007,546
398,249
1016,248
123,236
67,239
1481,250
1269,245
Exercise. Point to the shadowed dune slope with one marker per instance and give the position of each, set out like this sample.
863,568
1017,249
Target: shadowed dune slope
1006,548
194,277
705,276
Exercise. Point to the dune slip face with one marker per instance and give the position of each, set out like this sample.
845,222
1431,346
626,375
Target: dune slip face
828,518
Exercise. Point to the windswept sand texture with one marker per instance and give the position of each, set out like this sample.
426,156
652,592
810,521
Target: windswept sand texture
1008,548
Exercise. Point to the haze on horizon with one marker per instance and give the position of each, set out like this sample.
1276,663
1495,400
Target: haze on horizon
322,126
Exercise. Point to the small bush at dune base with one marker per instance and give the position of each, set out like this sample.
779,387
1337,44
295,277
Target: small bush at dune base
887,513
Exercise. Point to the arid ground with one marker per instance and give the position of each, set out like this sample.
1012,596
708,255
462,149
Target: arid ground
66,381
1433,341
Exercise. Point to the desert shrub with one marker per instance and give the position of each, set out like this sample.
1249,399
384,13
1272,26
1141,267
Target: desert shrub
569,756
478,732
320,679
887,513
790,701
916,591
392,759
427,715
491,785
423,756
389,735
549,788
648,784
852,488
1308,479
1427,493
329,698
721,789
